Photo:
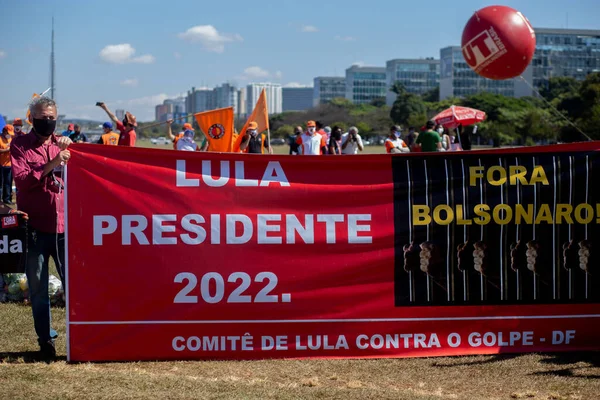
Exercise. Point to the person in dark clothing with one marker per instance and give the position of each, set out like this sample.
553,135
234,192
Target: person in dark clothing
464,136
294,147
78,136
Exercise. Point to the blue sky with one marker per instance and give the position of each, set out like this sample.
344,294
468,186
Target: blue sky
133,54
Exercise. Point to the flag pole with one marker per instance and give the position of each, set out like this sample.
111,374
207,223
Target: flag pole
268,127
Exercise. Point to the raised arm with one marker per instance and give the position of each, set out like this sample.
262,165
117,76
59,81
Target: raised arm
169,131
112,116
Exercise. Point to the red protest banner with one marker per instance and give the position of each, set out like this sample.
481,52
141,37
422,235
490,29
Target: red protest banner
183,255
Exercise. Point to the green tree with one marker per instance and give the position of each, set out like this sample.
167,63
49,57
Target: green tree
432,96
364,128
284,131
407,104
560,87
378,102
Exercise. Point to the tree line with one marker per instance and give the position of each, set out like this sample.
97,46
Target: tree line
565,108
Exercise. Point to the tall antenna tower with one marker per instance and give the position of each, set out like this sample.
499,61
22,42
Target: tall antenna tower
52,64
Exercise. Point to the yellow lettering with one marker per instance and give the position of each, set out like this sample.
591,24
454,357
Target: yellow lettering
517,172
481,210
437,215
589,213
474,173
538,176
490,176
564,211
421,215
522,215
508,214
460,217
544,214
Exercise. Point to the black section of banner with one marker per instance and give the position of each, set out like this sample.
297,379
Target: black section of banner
474,229
13,243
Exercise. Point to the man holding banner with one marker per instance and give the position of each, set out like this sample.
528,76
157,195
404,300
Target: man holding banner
253,143
34,158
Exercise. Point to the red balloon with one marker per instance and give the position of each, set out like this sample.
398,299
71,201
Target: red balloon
498,42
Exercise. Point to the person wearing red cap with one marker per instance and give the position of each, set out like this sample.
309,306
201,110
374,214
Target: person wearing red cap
311,142
253,143
127,127
70,130
18,124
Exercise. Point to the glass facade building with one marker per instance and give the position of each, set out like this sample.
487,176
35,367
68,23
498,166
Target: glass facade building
565,52
327,88
457,79
417,75
365,84
297,98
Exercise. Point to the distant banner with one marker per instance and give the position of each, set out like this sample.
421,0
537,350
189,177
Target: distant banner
13,243
184,255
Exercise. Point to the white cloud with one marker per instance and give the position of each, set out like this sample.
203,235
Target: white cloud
177,55
122,54
345,38
2,54
309,28
149,101
359,63
130,82
278,74
209,37
296,85
256,73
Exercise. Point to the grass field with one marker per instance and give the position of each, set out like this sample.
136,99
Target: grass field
534,376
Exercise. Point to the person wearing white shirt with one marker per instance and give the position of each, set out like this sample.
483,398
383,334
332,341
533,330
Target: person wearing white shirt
352,142
187,143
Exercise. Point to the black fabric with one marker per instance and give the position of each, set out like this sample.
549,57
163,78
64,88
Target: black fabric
13,243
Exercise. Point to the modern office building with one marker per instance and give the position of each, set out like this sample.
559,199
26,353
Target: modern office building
170,109
365,84
198,100
242,99
327,88
565,52
457,79
297,98
417,75
274,96
226,96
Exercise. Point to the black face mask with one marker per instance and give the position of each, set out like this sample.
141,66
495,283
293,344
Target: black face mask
44,127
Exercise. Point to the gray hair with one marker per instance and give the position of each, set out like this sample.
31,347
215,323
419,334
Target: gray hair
41,102
353,128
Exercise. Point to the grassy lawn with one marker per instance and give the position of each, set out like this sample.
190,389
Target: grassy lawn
532,376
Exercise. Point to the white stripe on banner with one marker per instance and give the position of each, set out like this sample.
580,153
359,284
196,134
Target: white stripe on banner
315,321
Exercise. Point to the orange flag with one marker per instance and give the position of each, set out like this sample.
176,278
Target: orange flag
217,126
260,115
28,113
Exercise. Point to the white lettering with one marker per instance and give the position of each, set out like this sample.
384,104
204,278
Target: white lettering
186,223
176,346
274,173
182,180
240,179
158,229
215,229
360,342
263,228
232,220
137,230
330,220
207,174
100,229
293,226
354,228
